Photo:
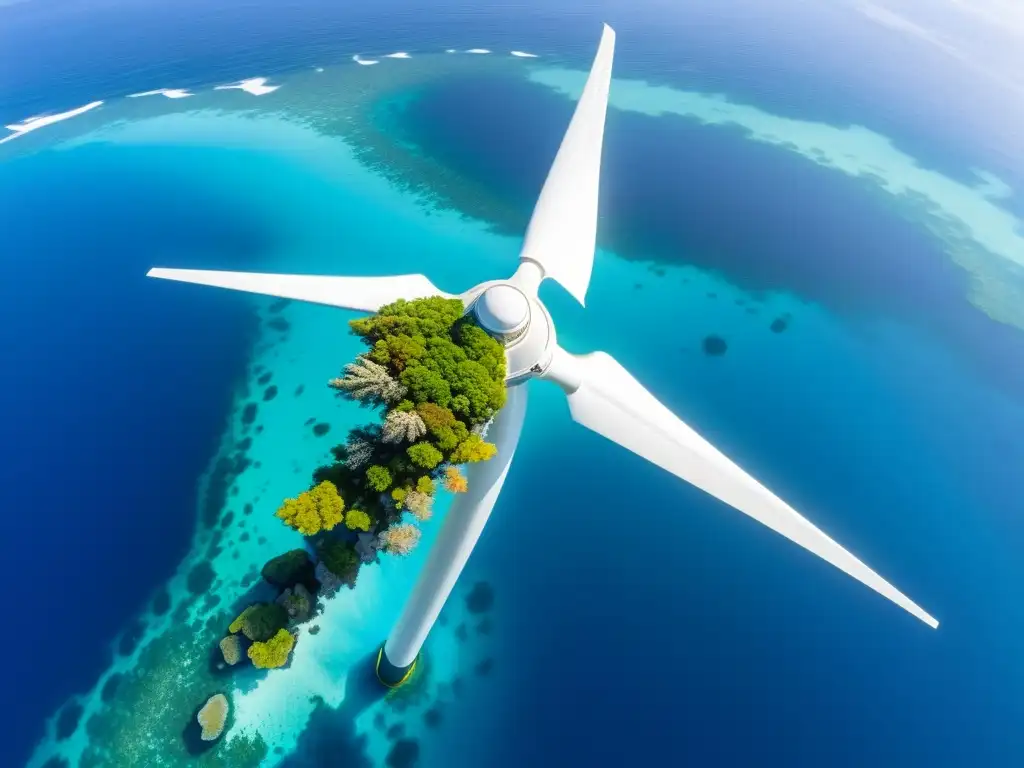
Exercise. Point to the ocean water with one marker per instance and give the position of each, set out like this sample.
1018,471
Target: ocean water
634,619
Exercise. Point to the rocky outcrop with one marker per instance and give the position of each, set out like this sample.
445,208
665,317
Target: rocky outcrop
289,569
329,583
298,603
213,716
231,649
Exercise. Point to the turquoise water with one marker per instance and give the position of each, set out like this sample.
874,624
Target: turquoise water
679,617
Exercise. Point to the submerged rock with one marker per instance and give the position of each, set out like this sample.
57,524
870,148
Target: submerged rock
298,603
289,569
404,754
329,583
67,720
320,429
779,324
213,716
714,346
231,649
480,598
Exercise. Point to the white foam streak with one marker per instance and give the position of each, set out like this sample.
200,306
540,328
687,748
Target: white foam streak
35,123
398,55
170,93
478,50
257,86
524,54
364,62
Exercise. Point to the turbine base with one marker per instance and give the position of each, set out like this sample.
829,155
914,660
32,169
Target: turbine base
390,675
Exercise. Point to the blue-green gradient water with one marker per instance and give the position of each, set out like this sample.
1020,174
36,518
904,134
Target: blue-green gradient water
634,620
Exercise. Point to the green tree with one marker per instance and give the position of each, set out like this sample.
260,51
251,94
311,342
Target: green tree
378,478
425,485
341,559
289,569
424,455
473,448
357,520
263,620
444,429
236,625
273,652
319,508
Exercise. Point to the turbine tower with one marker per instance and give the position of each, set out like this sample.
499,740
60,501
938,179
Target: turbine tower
602,395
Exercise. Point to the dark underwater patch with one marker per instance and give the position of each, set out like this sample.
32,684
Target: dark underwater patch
110,688
480,598
280,324
161,603
68,719
321,428
779,324
201,578
279,305
249,413
484,667
714,346
299,390
404,754
270,393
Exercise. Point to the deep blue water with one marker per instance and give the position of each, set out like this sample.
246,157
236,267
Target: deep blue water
692,652
103,374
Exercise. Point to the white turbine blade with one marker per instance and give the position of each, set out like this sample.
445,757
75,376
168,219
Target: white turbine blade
367,294
462,527
605,398
563,230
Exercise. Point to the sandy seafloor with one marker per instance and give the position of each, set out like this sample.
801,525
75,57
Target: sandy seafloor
882,410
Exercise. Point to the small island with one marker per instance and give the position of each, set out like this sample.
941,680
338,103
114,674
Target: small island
435,380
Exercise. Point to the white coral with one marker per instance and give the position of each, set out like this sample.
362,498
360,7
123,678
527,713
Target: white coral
400,538
370,382
402,426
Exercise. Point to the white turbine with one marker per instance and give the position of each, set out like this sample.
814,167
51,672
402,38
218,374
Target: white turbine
603,396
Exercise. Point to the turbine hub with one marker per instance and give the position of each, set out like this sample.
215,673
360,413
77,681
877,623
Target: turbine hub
503,311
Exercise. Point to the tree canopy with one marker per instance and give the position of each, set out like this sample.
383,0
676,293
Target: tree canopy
319,508
274,652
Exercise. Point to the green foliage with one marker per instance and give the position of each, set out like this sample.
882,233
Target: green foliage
399,495
273,652
263,620
444,429
378,478
289,569
319,508
341,559
473,448
425,485
236,625
420,318
357,520
424,455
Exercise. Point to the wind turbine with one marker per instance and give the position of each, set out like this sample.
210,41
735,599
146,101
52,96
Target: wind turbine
603,396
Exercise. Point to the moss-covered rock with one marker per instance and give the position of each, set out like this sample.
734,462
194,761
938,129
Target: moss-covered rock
231,649
289,569
213,716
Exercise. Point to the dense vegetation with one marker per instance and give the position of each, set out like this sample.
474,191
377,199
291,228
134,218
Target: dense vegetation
435,380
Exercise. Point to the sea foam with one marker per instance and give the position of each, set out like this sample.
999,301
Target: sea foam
257,86
397,55
364,62
170,93
34,123
524,54
478,50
